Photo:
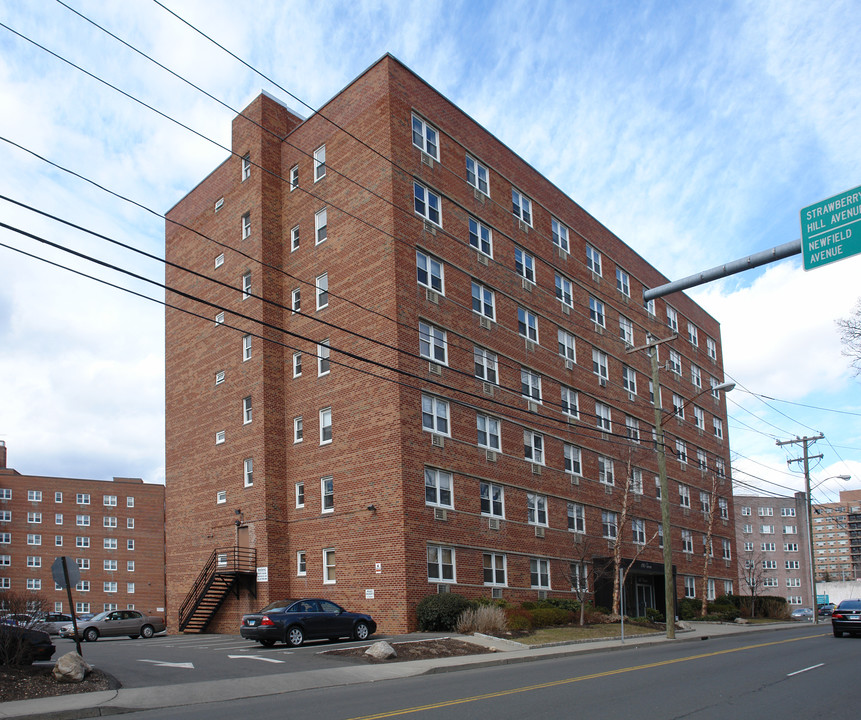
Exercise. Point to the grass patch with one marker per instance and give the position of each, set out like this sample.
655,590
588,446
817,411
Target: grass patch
588,632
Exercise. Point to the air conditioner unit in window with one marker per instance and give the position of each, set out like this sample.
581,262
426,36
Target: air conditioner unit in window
484,322
482,259
536,469
490,455
596,277
493,523
602,382
565,309
575,480
427,159
434,369
432,295
539,531
533,406
487,388
562,253
542,594
437,441
442,589
523,226
530,346
477,194
429,227
526,284
440,514
496,593
631,397
569,364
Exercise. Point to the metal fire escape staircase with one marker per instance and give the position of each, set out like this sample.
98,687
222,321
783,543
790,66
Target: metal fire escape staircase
228,569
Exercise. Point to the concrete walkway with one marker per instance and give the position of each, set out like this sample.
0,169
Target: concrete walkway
109,702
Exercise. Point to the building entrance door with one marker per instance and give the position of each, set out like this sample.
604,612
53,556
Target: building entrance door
645,595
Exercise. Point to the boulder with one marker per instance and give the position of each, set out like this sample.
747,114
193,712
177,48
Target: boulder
742,621
71,668
381,651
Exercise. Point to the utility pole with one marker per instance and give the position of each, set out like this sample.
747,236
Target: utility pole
805,442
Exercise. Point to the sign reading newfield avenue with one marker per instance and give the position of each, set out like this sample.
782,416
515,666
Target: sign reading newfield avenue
831,229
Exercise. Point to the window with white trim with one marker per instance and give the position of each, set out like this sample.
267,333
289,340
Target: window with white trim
488,432
109,500
521,206
687,542
570,400
246,226
527,324
593,260
559,235
438,488
435,415
246,410
623,282
294,177
702,462
433,344
726,549
82,520
297,364
34,561
711,348
246,167
246,347
609,524
564,290
699,418
109,521
492,498
603,417
109,543
246,284
294,239
675,362
36,496
82,542
533,447
429,272
300,494
599,364
329,566
427,204
494,569
717,425
248,472
567,345
536,509
34,518
477,175
441,563
632,428
425,137
321,224
485,364
327,494
696,376
572,459
322,288
301,565
690,586
723,508
693,335
325,426
530,385
629,379
679,406
672,319
320,163
684,496
524,264
606,474
323,352
638,531
220,439
480,237
483,301
539,573
596,312
576,518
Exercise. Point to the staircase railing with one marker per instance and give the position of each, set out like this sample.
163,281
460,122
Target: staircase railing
224,560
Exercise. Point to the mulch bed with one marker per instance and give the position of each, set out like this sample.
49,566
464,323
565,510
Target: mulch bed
419,650
36,681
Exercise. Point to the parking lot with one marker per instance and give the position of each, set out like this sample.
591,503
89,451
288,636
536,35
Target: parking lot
173,659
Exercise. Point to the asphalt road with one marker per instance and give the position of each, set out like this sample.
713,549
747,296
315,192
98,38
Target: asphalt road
797,673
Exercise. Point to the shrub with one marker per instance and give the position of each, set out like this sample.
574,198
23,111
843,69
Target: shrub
653,615
440,612
519,618
486,619
689,608
549,616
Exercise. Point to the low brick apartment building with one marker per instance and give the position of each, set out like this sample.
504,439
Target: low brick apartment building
113,529
400,361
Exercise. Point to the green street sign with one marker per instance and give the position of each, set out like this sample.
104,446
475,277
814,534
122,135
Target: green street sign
831,229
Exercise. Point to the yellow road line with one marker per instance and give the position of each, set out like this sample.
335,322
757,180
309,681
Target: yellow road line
567,681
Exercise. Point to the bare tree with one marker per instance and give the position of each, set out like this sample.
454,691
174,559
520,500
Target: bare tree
753,574
18,609
850,336
709,502
582,572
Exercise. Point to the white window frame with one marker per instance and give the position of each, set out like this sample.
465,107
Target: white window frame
626,330
638,531
329,577
294,239
323,358
567,345
246,410
246,348
483,301
294,177
576,518
299,492
248,472
536,510
570,401
593,260
564,290
539,573
297,364
321,226
693,335
480,237
439,488
492,565
559,235
486,364
603,417
436,410
327,494
609,524
491,428
433,343
301,564
492,499
623,282
321,287
524,264
521,207
572,458
320,163
246,226
527,324
477,175
246,166
442,564
427,204
533,447
672,319
325,424
596,312
711,348
425,136
530,385
600,364
606,471
629,379
246,284
430,272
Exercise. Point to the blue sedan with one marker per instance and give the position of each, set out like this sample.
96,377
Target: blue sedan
294,621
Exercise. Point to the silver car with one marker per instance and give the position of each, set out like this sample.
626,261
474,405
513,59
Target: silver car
52,623
114,623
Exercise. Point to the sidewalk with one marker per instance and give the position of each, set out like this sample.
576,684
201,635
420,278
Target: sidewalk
84,705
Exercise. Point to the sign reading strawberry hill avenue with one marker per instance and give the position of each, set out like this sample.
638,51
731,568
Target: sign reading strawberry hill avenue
831,229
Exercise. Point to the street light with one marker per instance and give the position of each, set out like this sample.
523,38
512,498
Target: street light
812,559
669,585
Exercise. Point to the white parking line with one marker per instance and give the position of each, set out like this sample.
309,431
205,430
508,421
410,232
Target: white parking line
812,667
254,657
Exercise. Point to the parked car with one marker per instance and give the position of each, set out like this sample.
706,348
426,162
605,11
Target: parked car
846,618
16,619
294,621
113,623
23,646
802,614
52,623
826,609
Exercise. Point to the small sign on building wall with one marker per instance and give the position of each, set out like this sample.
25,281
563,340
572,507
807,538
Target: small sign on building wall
263,574
378,568
369,594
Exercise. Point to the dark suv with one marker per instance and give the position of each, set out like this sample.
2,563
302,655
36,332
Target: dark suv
846,617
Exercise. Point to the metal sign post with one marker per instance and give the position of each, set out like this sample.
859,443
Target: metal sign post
65,579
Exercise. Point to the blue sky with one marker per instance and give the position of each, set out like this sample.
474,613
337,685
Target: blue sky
695,131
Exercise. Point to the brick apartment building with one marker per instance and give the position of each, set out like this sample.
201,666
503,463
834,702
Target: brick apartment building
837,538
773,547
114,530
439,393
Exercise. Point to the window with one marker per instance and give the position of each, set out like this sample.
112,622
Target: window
323,351
438,487
301,567
322,286
430,272
717,424
596,312
294,239
745,511
693,336
521,206
5,560
36,496
524,264
593,260
34,561
329,566
690,587
320,163
769,565
702,462
246,285
623,282
576,518
219,318
560,234
327,494
110,543
425,137
787,512
605,471
564,290
570,402
221,497
572,459
527,324
427,204
5,538
790,547
480,237
488,432
246,348
748,547
766,529
711,348
492,499
766,512
219,261
440,564
579,575
5,516
294,177
297,364
536,509
248,472
793,565
687,541
58,519
246,410
747,528
723,508
638,531
675,363
130,544
246,226
705,502
650,307
629,379
325,426
82,542
82,520
533,447
494,568
567,346
246,167
603,418
109,586
626,330
679,406
672,319
34,584
684,496
485,364
530,385
696,376
477,175
109,565
608,524
5,494
34,518
539,573
109,521
715,393
220,438
109,500
483,301
435,415
296,300
632,428
599,364
699,418
300,494
320,226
